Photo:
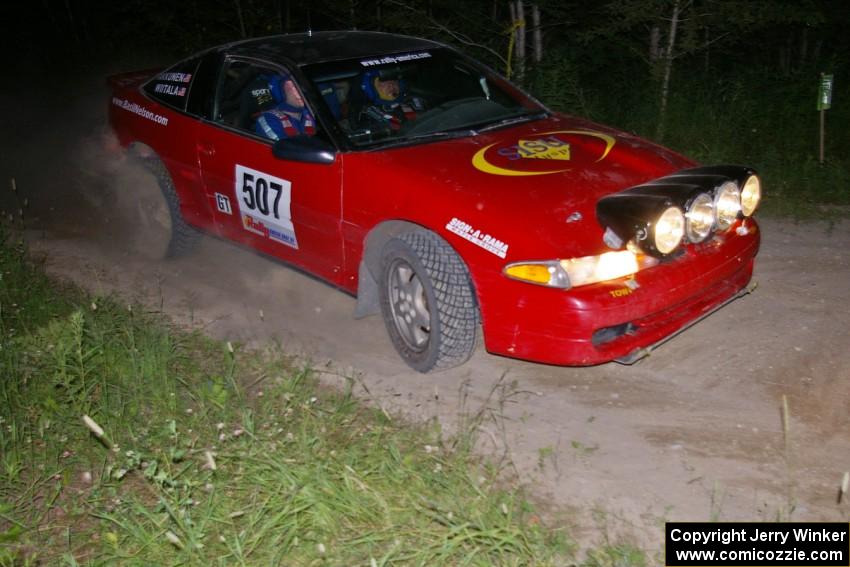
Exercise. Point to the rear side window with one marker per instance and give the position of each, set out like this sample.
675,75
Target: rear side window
171,87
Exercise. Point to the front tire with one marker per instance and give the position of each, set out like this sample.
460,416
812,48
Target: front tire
427,301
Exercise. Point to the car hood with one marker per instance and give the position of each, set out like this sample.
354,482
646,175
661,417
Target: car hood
533,187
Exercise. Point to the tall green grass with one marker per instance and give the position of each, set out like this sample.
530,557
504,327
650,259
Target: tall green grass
202,453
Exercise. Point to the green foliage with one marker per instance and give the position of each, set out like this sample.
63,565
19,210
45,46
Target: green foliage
182,463
615,555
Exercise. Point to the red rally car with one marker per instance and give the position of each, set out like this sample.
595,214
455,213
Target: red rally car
442,196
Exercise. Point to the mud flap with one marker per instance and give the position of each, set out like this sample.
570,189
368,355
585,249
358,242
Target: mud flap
368,300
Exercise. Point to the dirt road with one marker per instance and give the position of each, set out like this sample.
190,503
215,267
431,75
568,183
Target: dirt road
695,432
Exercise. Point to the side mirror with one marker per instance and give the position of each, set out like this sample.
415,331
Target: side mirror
305,149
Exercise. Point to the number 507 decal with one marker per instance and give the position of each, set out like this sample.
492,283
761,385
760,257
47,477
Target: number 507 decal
264,205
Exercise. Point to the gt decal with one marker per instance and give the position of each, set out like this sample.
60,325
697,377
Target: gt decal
264,205
222,203
549,146
485,241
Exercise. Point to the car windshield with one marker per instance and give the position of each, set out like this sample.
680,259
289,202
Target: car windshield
416,97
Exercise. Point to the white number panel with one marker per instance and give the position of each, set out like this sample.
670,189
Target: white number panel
264,205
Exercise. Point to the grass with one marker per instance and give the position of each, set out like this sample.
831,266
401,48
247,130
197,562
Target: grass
195,452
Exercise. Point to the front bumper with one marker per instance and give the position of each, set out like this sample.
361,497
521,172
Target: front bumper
618,320
643,352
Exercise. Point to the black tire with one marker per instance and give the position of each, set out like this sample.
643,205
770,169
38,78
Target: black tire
427,301
183,238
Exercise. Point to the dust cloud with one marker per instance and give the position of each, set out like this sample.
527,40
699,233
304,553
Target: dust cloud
69,174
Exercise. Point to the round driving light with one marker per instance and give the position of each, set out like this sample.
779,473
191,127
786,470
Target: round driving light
669,230
700,218
750,195
727,205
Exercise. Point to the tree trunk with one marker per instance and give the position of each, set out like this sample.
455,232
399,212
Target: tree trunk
239,17
789,56
52,18
537,34
668,67
654,44
84,30
70,13
249,22
511,41
520,40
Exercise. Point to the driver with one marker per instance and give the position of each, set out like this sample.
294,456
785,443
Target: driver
384,102
290,117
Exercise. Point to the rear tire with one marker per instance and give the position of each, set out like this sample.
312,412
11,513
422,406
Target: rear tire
427,301
165,233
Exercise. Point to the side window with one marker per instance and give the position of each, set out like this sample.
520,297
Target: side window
171,87
262,100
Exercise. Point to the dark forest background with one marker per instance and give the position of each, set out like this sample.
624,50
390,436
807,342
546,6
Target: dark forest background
719,80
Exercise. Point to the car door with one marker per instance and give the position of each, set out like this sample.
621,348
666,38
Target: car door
287,209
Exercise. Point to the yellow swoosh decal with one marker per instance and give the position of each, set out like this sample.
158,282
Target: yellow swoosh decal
479,161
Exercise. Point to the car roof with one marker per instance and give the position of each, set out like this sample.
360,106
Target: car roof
319,47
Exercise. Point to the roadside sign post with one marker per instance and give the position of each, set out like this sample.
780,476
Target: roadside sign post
824,104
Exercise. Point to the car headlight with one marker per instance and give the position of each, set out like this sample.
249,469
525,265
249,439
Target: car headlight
699,219
668,230
574,272
727,205
750,195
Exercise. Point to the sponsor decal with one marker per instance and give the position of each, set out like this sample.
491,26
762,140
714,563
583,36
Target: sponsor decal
222,203
622,292
140,110
173,90
550,147
253,225
175,77
262,96
544,154
284,237
264,205
484,240
395,59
